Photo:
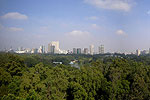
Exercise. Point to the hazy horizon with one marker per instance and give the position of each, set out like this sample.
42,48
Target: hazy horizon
120,25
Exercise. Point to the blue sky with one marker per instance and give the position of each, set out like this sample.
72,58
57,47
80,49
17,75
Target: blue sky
121,25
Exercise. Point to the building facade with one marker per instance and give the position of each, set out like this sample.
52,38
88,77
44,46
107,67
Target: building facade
85,51
74,51
78,50
53,47
101,49
41,49
91,49
138,52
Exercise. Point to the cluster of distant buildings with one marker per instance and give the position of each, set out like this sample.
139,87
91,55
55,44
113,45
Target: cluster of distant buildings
88,51
28,50
53,48
143,52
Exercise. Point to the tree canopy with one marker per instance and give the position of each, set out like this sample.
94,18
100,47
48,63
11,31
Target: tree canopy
99,77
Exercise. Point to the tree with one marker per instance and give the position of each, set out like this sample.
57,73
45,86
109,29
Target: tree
76,92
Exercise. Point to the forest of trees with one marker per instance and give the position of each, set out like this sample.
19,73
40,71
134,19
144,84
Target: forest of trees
99,77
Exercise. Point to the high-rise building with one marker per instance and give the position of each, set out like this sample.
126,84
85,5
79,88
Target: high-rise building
41,49
78,50
101,49
34,50
56,44
74,51
85,51
53,47
149,50
44,51
28,50
138,52
91,49
144,52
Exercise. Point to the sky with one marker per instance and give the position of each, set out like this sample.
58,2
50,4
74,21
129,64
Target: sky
119,25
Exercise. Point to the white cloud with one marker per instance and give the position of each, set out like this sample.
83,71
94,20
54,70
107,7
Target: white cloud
123,5
79,33
92,18
15,15
77,38
120,32
15,29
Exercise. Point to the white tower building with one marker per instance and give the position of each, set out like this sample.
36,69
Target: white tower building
91,49
53,47
138,52
101,49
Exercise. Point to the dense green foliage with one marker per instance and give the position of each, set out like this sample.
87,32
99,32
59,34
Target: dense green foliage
99,77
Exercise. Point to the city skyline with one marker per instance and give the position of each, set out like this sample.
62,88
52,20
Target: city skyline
53,48
120,25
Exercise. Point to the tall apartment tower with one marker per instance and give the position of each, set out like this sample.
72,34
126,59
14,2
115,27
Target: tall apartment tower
138,52
101,49
34,50
85,51
44,51
74,51
41,49
53,47
91,49
78,50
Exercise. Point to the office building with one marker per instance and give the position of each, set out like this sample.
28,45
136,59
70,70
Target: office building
85,51
138,52
91,49
53,47
144,52
78,50
41,49
101,49
28,50
74,51
34,50
56,44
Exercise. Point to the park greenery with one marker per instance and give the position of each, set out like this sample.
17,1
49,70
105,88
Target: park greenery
97,77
